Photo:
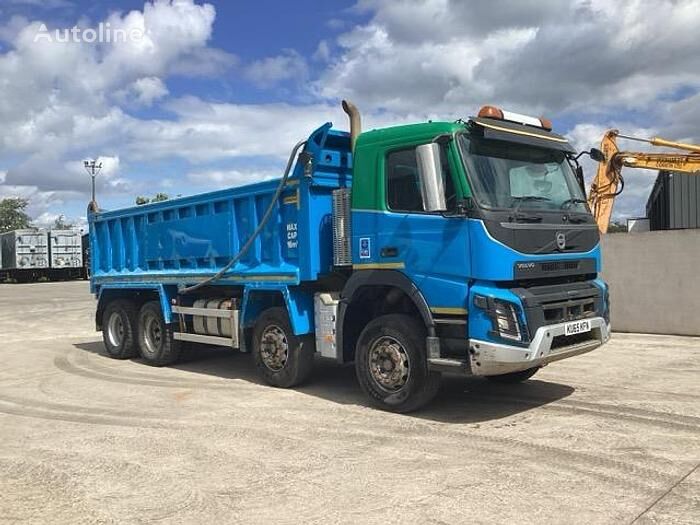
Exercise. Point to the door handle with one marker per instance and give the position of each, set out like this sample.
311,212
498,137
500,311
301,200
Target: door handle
389,251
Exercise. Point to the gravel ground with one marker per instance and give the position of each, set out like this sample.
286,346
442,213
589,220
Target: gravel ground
612,436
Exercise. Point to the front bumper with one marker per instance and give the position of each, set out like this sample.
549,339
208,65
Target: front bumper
488,359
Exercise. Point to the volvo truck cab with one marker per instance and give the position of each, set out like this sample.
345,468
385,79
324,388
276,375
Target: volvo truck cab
487,219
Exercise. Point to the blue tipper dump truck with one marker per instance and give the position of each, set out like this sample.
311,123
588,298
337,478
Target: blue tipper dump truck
441,247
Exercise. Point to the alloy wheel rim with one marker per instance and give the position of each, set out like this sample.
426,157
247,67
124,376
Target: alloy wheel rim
115,329
153,334
389,364
274,348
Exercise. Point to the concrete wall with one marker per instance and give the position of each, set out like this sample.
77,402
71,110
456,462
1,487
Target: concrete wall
654,280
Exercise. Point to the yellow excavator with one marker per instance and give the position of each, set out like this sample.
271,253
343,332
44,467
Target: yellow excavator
609,183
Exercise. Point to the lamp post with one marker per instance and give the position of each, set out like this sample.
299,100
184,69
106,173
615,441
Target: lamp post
93,168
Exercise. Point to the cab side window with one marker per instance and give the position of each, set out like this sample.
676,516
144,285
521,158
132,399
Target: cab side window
403,184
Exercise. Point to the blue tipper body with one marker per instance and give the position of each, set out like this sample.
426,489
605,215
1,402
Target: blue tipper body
167,245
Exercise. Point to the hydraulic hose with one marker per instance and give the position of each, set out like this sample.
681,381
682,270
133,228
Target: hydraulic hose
266,217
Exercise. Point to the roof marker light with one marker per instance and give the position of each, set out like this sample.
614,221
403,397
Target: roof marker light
546,123
490,112
499,114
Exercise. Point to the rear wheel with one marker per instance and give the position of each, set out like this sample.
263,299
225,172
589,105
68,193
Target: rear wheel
514,377
391,364
283,359
156,343
119,329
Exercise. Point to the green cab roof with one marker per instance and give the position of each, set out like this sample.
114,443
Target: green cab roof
489,128
408,132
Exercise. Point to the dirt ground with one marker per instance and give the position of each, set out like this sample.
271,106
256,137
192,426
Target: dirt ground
609,437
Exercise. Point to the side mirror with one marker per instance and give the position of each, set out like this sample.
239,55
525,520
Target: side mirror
432,188
597,155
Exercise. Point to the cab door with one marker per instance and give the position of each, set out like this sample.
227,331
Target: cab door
430,248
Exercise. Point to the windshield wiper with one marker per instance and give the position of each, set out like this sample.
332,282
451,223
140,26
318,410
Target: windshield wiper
525,198
569,202
521,200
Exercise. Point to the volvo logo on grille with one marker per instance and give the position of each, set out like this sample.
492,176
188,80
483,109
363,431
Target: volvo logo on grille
560,237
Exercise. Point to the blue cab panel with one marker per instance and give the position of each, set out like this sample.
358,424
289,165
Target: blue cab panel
183,241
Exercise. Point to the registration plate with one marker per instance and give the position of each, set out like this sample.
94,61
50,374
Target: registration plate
577,327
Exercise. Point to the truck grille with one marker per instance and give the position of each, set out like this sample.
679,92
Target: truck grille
547,269
569,310
559,265
559,303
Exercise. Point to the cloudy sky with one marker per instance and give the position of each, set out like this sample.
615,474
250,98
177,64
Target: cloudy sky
209,95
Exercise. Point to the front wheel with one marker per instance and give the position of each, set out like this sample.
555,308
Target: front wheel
391,364
283,359
157,345
514,377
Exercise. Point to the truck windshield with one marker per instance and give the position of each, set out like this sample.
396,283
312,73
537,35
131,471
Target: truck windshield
506,175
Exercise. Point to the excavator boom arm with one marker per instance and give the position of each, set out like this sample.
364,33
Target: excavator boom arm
604,187
660,161
608,182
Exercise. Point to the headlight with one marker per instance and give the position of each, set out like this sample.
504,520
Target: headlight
505,316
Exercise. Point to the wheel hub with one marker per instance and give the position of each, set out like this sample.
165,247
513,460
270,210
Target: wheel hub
274,348
153,335
389,364
115,329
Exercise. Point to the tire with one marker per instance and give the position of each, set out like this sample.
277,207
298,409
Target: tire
156,343
397,341
119,329
514,377
283,359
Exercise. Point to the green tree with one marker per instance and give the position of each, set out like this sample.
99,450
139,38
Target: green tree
12,214
617,227
61,224
158,197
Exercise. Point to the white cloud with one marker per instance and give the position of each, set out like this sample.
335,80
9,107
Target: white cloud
323,51
204,62
145,91
288,66
585,56
46,219
61,101
39,201
590,61
10,29
227,178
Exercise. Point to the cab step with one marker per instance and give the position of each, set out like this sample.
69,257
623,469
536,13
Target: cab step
446,364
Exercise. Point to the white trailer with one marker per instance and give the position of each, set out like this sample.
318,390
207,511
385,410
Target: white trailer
25,249
65,248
